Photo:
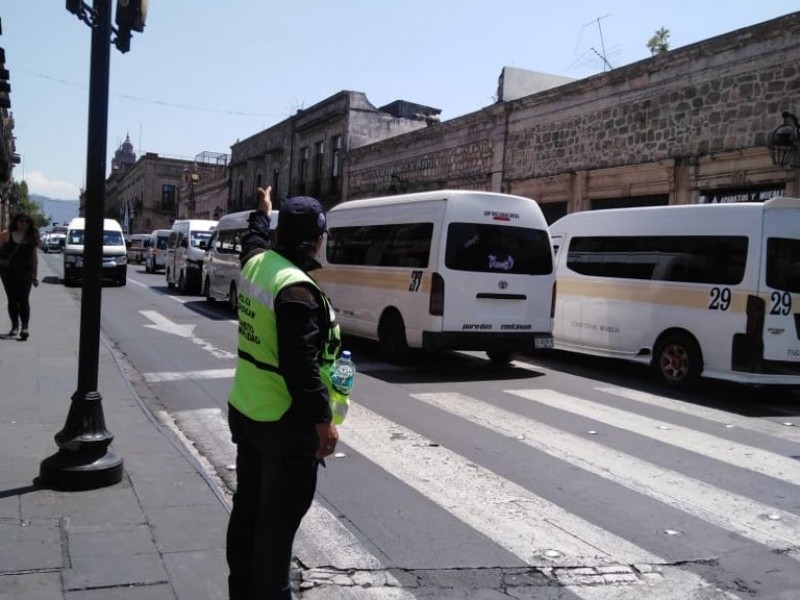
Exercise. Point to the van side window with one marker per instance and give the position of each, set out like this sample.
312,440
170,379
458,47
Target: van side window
401,245
716,260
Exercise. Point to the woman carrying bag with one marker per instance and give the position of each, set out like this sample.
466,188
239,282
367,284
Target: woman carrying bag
19,265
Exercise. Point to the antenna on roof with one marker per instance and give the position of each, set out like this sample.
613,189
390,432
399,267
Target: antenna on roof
602,54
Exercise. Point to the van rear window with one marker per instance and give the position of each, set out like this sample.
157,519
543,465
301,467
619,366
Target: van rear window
783,264
484,248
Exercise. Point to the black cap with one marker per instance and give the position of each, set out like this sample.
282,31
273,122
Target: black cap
300,219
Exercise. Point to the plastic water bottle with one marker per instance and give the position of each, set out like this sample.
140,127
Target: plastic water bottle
343,373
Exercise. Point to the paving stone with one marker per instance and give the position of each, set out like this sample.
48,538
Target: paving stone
30,546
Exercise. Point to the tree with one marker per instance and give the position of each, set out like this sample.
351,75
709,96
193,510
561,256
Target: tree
659,42
21,202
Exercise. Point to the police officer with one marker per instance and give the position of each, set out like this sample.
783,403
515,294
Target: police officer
278,408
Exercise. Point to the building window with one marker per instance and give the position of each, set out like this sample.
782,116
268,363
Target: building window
303,174
168,198
319,153
336,149
240,194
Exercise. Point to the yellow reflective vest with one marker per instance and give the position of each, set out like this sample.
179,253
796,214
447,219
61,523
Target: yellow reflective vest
259,391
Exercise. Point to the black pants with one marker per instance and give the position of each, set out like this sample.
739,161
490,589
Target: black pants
276,475
18,291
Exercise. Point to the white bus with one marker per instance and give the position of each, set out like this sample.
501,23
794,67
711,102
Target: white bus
707,290
443,270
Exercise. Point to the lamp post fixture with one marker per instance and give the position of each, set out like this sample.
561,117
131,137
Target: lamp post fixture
784,142
83,459
191,177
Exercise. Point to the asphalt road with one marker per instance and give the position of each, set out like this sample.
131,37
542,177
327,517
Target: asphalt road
561,476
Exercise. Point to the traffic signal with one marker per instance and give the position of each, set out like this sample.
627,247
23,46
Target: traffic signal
131,15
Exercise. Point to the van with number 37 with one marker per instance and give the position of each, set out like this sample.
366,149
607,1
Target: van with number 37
441,270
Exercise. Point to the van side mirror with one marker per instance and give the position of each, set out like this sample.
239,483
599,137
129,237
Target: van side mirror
184,243
203,245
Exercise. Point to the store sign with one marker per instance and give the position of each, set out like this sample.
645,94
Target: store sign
729,196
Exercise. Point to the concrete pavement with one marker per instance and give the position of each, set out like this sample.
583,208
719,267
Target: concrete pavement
157,534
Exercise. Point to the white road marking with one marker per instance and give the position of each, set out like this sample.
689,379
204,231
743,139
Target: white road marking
165,325
539,532
182,375
732,453
764,524
766,427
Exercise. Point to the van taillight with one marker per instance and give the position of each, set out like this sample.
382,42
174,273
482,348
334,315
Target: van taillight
553,302
436,306
756,307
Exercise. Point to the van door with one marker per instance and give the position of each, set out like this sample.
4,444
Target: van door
779,284
498,279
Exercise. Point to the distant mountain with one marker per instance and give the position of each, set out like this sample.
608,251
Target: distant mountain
59,211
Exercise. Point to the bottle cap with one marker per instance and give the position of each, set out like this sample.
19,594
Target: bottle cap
346,354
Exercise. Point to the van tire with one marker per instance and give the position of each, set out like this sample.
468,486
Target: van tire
207,291
677,361
392,337
500,357
233,299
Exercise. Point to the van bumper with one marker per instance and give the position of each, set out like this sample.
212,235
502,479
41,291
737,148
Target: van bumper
469,340
117,273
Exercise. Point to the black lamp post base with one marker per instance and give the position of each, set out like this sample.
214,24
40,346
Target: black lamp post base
70,470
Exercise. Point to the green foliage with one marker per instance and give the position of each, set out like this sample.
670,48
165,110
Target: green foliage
659,42
22,202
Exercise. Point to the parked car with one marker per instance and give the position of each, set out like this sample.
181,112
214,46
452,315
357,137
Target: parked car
54,242
156,256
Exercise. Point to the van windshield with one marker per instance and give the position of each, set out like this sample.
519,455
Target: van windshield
199,236
110,238
783,264
487,248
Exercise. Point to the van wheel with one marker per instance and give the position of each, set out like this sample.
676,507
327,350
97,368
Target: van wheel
233,299
392,337
499,357
677,361
207,291
181,283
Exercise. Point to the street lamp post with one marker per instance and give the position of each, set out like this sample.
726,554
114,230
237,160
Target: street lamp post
84,459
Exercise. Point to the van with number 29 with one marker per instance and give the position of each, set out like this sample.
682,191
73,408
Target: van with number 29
441,270
696,290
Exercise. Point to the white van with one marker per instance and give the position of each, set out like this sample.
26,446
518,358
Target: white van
443,270
156,257
221,266
186,248
115,261
691,290
138,244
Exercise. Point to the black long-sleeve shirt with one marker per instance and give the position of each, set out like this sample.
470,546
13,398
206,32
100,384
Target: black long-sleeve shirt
302,325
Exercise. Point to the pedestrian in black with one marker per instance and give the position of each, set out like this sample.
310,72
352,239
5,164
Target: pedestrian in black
19,270
278,409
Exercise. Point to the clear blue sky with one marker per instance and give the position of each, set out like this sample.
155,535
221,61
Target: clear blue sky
208,72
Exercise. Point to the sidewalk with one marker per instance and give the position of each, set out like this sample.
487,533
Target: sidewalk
159,534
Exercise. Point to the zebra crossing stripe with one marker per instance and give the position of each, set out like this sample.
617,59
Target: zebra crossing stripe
165,376
726,451
539,532
765,427
766,525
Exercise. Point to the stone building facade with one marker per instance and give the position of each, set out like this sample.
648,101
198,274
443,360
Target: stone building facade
154,191
689,125
302,154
